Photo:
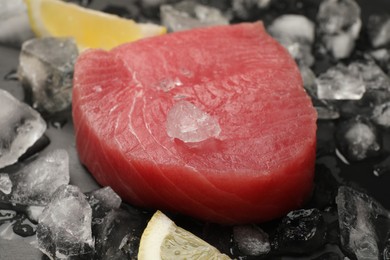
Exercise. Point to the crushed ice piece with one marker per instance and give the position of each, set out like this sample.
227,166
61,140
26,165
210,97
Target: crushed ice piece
301,231
189,123
361,221
64,227
251,240
339,83
378,28
5,183
14,23
190,14
358,139
246,9
21,128
168,84
382,58
381,114
296,34
46,70
102,201
119,234
372,75
339,25
33,212
36,182
327,113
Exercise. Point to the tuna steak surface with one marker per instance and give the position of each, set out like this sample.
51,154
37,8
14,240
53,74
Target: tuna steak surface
213,123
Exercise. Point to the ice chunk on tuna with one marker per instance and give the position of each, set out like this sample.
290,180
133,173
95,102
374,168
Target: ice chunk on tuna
363,222
296,34
21,127
251,240
189,14
14,23
46,70
64,227
36,183
189,123
338,83
339,26
378,29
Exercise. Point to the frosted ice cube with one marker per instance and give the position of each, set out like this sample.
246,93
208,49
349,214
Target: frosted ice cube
378,28
246,9
189,123
358,139
64,227
14,23
5,183
21,127
296,34
372,75
339,26
190,14
251,240
36,183
362,221
382,58
339,83
46,70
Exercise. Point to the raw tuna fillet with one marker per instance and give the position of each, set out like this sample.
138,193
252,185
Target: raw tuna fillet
251,157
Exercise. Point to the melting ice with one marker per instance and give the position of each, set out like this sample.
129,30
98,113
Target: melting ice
21,127
189,123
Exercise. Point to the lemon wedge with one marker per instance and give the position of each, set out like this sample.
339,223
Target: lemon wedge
162,239
91,29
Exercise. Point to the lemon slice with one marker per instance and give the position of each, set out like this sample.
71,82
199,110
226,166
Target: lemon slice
162,239
91,29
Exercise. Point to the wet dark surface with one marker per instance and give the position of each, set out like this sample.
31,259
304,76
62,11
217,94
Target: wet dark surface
331,170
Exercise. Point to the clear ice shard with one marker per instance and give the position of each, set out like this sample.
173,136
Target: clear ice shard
251,240
36,182
339,26
189,123
190,14
46,70
64,227
14,23
363,224
21,127
378,29
102,201
296,34
339,83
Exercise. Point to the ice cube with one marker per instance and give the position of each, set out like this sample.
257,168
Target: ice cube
339,83
64,227
21,128
36,182
378,28
5,183
339,26
102,201
251,240
14,23
118,235
358,139
327,112
296,34
381,114
362,223
46,70
382,57
301,231
33,212
372,75
189,123
190,14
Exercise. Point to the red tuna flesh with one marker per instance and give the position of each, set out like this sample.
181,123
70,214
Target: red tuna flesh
257,167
